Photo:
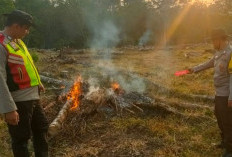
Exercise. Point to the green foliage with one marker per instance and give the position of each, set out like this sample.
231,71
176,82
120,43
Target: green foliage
6,6
75,23
35,57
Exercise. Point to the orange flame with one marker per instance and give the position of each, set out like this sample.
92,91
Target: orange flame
115,86
74,93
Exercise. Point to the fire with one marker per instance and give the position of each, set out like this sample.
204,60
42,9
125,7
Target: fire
115,86
75,93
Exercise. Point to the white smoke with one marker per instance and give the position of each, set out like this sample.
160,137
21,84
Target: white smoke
93,86
93,82
129,83
145,38
134,83
106,36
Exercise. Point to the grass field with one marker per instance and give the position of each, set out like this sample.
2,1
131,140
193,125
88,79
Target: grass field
155,134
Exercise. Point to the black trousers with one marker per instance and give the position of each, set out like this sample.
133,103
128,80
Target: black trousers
223,114
32,123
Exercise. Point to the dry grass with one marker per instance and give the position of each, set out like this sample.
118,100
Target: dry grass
5,140
151,134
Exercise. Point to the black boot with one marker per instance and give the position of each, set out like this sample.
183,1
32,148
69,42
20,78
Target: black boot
41,154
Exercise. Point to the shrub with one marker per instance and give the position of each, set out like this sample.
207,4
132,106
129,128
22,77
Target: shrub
35,57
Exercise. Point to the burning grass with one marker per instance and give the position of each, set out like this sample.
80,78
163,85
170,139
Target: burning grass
75,93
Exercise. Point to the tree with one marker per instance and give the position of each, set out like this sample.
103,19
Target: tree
6,7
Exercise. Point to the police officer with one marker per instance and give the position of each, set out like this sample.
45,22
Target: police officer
19,88
222,64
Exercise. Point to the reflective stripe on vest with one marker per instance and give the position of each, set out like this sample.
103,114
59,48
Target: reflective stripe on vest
21,71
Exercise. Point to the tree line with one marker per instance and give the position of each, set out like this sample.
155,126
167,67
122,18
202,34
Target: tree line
107,23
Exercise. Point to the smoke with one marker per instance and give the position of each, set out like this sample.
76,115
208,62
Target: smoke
129,82
93,82
134,83
104,32
145,38
104,37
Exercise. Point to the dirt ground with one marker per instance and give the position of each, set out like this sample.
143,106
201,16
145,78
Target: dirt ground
155,132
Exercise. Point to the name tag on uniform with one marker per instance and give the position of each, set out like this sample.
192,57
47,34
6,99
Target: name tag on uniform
14,46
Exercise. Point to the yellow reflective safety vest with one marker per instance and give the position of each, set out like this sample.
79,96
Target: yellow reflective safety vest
20,68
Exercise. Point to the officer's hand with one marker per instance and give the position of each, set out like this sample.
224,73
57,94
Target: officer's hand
12,118
229,103
41,88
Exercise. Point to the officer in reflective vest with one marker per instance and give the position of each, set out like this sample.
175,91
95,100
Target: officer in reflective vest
20,86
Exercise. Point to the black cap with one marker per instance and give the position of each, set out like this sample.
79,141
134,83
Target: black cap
21,17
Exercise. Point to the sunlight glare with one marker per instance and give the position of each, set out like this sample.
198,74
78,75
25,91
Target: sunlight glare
206,2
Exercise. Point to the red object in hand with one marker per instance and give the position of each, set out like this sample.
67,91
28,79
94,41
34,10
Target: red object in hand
180,73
